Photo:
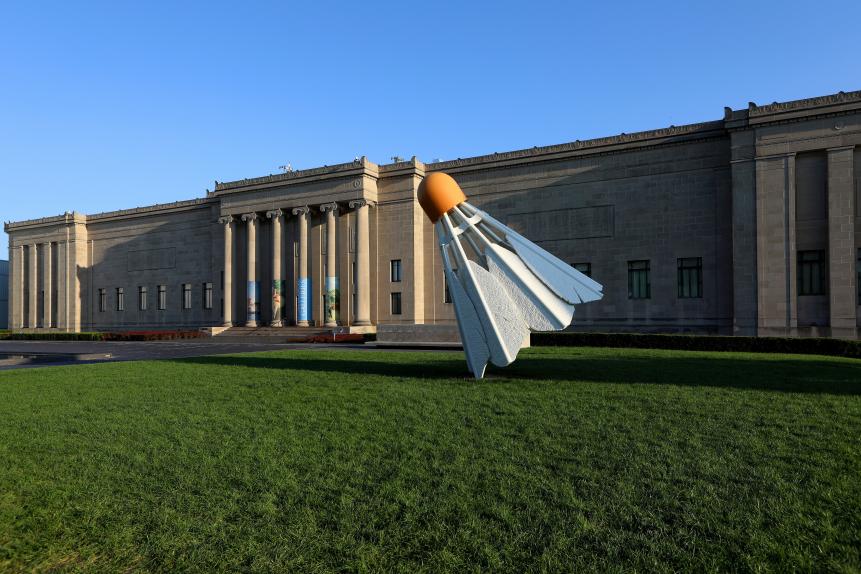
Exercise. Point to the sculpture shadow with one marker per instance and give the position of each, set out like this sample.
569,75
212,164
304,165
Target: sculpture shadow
781,375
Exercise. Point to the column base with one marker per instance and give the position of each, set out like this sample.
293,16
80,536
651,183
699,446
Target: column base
332,324
302,323
251,323
227,324
361,323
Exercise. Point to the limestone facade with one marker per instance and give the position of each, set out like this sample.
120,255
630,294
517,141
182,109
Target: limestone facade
746,225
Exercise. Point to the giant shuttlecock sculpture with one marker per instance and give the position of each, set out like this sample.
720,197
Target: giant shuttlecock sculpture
502,285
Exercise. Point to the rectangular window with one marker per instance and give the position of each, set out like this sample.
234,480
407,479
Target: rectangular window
584,268
207,295
121,299
396,303
639,286
690,278
446,297
142,298
186,295
103,300
396,270
812,271
858,276
162,297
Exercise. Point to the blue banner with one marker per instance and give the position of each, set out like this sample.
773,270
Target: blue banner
253,300
304,311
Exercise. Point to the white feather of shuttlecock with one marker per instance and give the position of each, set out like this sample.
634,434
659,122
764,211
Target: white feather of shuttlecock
509,287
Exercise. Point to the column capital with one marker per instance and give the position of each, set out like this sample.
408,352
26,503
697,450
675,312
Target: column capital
225,220
274,213
329,207
301,210
249,216
356,203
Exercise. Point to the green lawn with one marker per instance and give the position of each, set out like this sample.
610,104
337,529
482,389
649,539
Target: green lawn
569,460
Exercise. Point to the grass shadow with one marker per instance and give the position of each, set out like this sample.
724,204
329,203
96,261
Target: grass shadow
786,375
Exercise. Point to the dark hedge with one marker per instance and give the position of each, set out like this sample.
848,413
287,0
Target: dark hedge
802,346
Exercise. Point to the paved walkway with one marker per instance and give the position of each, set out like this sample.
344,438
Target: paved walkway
78,352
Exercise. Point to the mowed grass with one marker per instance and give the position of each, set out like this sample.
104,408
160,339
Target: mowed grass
315,461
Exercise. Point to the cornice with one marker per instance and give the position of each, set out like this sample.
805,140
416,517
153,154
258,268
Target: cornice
597,145
66,218
755,111
360,166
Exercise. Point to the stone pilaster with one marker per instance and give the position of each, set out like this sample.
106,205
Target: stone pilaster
841,242
363,263
47,285
16,287
775,246
33,290
303,289
277,217
744,279
332,289
227,222
253,290
62,287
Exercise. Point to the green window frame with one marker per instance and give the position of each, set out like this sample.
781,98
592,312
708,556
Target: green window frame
690,277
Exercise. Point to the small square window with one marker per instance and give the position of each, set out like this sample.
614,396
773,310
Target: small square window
690,276
639,286
396,270
396,303
584,268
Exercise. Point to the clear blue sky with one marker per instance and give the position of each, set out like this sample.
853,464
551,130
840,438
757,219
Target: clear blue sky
110,105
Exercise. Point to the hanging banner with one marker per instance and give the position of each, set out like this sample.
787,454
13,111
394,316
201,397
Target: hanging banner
303,311
333,299
253,300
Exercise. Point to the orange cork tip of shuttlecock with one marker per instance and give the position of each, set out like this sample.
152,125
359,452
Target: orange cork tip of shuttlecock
439,192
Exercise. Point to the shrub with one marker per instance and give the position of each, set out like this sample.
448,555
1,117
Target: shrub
791,345
152,335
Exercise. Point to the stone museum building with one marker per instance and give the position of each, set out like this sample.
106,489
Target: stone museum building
748,225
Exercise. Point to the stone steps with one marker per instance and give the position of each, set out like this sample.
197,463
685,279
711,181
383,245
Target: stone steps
290,334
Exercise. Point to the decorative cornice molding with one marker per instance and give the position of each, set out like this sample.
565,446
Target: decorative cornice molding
361,163
705,128
778,107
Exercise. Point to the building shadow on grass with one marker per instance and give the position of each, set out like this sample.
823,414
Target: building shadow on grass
786,375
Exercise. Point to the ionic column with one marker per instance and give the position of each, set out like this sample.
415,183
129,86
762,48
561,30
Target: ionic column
276,215
253,290
363,264
227,222
46,281
303,289
330,313
32,312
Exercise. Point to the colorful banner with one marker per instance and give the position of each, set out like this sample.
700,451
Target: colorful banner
253,300
303,312
276,299
333,299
